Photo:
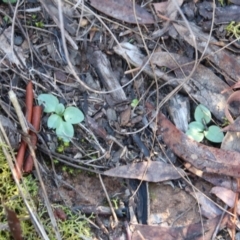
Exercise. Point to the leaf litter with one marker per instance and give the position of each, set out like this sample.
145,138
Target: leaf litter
151,169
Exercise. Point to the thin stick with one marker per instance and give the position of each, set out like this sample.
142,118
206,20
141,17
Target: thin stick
21,118
29,101
109,201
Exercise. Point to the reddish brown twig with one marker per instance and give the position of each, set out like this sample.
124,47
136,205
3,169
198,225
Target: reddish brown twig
37,113
29,101
28,114
20,158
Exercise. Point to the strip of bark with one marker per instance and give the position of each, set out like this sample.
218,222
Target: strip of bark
29,101
28,115
36,119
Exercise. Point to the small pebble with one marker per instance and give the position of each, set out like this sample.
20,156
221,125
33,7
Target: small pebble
18,40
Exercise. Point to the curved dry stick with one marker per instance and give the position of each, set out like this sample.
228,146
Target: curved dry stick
28,115
37,113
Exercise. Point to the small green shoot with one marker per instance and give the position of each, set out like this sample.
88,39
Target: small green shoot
198,129
61,118
34,16
39,24
60,149
134,103
6,19
55,161
226,122
233,29
115,203
62,145
222,3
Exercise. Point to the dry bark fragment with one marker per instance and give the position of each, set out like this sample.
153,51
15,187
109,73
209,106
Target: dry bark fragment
104,70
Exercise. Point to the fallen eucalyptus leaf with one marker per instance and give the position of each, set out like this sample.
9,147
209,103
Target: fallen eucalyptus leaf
151,171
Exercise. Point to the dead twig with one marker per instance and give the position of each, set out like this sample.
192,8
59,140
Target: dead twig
109,201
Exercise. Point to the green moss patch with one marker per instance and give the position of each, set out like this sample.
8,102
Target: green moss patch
72,226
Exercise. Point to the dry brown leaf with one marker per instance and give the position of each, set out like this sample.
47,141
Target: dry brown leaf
227,196
14,224
5,48
221,181
226,62
167,11
192,231
208,208
98,130
155,171
215,179
125,116
160,7
168,8
123,10
235,97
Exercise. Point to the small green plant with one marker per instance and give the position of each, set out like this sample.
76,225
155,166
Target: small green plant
39,24
61,118
6,19
198,129
134,102
115,202
62,146
34,16
222,3
233,29
225,123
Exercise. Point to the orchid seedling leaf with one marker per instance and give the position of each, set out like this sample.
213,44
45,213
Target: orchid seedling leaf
65,131
214,134
202,113
73,115
48,101
54,121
